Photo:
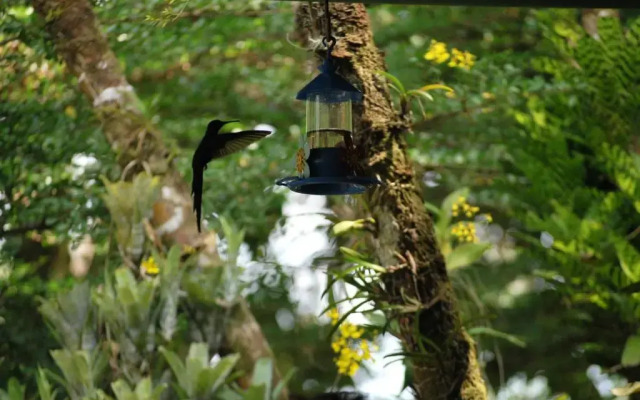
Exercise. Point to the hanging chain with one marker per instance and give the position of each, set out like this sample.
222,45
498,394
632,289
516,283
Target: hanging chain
329,41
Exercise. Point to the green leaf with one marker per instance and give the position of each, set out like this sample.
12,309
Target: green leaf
176,366
421,93
16,390
262,375
629,259
435,86
433,208
283,383
395,82
355,257
143,389
484,330
343,227
122,390
627,390
197,360
466,254
256,393
222,370
44,387
631,352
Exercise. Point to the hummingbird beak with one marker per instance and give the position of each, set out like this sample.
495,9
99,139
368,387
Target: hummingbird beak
228,122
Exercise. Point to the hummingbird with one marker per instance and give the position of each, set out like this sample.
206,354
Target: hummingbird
215,145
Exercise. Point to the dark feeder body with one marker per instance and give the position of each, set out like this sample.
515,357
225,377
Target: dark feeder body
329,99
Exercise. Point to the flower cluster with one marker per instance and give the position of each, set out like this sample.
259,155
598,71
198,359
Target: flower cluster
465,231
462,59
350,347
438,53
461,207
150,266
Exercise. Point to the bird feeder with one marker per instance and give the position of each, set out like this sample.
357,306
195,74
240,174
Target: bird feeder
327,159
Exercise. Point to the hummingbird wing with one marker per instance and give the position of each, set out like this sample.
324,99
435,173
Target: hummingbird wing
231,142
224,144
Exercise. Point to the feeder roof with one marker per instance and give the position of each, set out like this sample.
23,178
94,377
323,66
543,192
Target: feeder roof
332,87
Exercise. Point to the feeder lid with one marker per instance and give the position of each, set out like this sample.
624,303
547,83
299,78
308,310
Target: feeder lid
330,86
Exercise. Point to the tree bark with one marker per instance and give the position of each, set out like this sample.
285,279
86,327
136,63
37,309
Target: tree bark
443,355
591,16
138,145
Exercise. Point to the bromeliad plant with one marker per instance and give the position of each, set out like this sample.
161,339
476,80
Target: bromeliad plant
122,337
405,97
455,225
116,337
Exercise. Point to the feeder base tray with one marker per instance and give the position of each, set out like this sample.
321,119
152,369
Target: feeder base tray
330,185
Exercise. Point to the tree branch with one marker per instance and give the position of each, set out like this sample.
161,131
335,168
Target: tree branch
20,230
83,47
439,118
194,15
11,39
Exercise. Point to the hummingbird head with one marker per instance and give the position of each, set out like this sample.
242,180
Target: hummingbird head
215,125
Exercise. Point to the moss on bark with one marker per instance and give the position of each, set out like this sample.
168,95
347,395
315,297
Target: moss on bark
443,355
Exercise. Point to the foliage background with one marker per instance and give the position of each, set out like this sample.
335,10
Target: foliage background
542,130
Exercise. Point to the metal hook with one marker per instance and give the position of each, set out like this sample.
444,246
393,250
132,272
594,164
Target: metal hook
329,41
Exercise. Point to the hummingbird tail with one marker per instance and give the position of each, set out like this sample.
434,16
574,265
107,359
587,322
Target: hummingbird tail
196,191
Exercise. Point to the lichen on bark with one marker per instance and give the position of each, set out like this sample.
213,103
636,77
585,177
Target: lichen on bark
443,355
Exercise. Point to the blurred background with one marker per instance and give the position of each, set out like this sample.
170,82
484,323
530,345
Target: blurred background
539,138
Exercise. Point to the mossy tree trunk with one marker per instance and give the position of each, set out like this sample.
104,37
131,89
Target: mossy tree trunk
443,355
79,41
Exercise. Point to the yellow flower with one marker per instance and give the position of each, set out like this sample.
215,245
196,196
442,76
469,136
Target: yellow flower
349,330
70,111
488,96
340,343
437,52
188,249
351,350
464,231
366,353
150,267
343,363
334,315
460,59
488,218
